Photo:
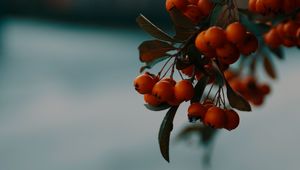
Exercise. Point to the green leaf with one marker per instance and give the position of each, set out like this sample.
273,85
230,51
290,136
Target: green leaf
219,75
236,100
165,132
199,89
149,65
278,52
269,68
257,29
216,13
180,20
154,49
157,108
152,29
183,34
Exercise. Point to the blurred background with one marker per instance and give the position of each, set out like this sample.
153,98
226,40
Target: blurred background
67,101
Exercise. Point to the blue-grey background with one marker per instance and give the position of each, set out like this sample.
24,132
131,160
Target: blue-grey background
67,102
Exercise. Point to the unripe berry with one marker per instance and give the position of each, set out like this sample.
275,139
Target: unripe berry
184,90
144,83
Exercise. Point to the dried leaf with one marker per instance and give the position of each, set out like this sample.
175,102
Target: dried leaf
236,100
154,49
152,29
165,132
269,68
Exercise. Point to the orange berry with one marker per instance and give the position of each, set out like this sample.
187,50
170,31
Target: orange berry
144,83
169,4
201,43
272,39
174,102
188,70
151,100
265,89
215,37
236,32
193,13
290,29
181,4
252,5
163,91
215,117
260,7
205,6
288,6
288,42
184,90
232,119
194,2
228,54
279,29
249,45
229,75
196,111
272,5
257,100
170,80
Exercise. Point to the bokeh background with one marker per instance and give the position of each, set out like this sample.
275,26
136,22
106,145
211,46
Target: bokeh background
67,100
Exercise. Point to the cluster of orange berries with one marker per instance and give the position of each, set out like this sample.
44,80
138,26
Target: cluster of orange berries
271,7
226,45
249,88
213,116
166,90
195,10
286,33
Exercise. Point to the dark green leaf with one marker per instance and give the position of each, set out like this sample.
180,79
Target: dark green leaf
152,29
216,14
149,65
219,75
165,132
180,20
257,29
236,100
199,89
269,68
253,65
181,64
154,49
157,108
278,52
182,34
